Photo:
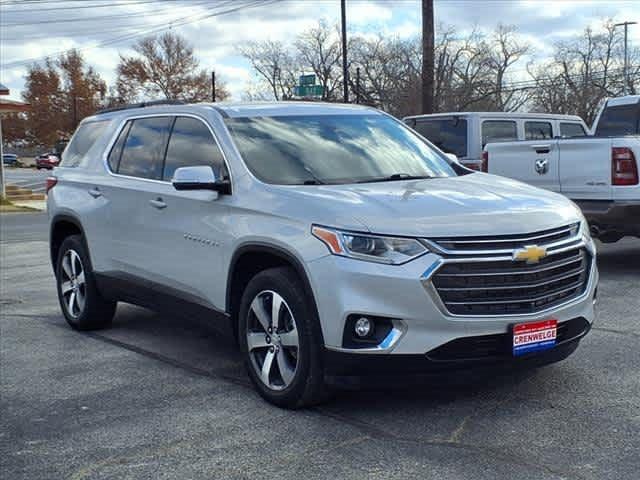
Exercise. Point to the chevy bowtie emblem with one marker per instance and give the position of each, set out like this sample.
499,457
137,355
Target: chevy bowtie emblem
530,254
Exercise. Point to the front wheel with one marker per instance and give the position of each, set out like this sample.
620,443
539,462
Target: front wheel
280,340
81,303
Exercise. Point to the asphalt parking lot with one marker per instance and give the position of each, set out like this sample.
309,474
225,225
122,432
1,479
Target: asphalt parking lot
27,178
157,398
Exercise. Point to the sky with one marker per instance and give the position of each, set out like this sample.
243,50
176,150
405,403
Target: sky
30,30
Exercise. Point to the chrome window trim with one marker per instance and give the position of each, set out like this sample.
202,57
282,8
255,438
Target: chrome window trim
126,118
430,288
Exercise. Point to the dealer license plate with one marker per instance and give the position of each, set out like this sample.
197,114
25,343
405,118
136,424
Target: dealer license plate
534,336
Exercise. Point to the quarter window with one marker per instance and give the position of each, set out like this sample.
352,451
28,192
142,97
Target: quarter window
537,130
191,144
572,130
498,131
144,148
82,141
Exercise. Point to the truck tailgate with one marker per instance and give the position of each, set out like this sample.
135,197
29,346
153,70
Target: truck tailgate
585,168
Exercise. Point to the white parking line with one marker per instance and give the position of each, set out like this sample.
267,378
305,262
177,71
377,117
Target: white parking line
30,184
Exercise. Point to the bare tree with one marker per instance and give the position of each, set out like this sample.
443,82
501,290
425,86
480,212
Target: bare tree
505,50
584,70
319,49
274,65
165,66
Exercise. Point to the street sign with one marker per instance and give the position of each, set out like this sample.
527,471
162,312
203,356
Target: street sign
307,79
308,90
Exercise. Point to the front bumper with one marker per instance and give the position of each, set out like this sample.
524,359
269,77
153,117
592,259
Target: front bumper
344,286
485,352
621,217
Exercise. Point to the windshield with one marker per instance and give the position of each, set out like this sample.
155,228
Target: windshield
294,150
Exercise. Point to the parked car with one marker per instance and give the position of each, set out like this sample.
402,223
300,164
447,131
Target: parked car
465,134
10,159
598,172
332,239
47,160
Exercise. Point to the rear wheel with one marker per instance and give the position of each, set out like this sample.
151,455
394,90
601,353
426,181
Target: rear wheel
280,341
81,303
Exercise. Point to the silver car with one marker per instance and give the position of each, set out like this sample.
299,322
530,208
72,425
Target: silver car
332,239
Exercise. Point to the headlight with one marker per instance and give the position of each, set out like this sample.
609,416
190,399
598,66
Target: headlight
374,248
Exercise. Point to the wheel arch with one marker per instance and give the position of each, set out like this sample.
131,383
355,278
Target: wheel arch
63,226
252,258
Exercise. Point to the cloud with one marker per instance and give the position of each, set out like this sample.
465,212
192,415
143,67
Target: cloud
101,33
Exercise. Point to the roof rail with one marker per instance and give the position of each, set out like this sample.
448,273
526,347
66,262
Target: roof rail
152,103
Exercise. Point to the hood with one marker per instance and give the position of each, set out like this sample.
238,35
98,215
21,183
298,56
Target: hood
468,205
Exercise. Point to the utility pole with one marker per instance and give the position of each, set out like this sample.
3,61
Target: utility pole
213,87
75,109
357,84
428,63
626,56
345,72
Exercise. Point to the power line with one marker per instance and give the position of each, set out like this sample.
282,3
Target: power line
77,7
101,18
174,23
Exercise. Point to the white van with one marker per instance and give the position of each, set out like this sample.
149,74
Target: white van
465,134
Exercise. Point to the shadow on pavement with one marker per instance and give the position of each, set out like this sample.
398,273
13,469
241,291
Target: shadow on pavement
619,258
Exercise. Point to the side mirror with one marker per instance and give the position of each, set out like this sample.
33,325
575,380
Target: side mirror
198,178
452,157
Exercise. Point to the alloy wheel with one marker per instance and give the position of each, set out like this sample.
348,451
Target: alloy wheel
272,340
73,283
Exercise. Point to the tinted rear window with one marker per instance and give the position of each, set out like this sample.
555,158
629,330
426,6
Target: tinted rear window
618,121
537,130
498,131
84,138
116,151
143,151
572,130
448,134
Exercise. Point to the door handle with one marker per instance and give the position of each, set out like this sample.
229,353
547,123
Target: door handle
95,192
158,203
541,148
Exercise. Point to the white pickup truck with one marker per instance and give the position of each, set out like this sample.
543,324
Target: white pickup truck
599,172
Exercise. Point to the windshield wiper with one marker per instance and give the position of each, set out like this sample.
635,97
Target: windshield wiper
394,177
314,181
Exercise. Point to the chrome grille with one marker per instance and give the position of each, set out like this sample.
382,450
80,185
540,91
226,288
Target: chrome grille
505,242
481,284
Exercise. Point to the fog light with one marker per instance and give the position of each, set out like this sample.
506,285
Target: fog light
363,327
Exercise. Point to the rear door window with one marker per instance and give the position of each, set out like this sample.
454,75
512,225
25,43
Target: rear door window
192,144
571,130
537,130
498,131
116,151
448,134
86,135
144,148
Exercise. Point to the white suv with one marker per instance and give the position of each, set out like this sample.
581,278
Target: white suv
333,239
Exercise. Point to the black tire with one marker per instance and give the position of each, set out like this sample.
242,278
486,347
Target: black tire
307,386
97,312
